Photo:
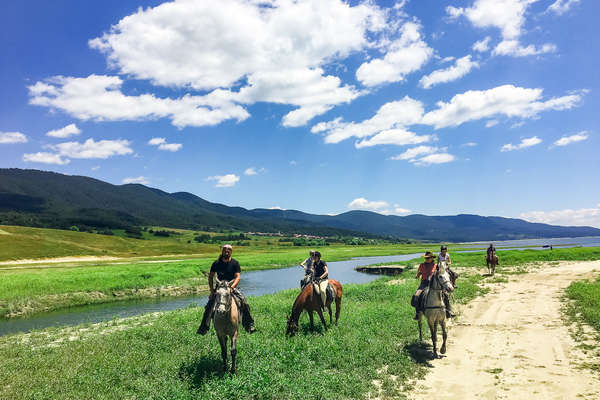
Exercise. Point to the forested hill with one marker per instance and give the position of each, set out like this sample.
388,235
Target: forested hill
49,199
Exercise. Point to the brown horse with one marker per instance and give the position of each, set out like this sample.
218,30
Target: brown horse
226,319
491,263
309,301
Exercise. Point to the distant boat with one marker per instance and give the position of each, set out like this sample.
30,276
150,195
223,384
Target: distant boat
546,245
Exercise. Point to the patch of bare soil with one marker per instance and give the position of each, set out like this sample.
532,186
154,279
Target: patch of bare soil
513,344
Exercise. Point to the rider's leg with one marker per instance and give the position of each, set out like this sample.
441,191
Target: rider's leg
208,310
449,313
247,320
323,289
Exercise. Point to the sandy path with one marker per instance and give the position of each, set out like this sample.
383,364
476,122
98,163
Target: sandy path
513,344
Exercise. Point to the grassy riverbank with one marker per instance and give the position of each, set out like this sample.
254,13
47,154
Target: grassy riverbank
40,288
161,357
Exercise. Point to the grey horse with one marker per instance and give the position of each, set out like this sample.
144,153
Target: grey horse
435,311
226,319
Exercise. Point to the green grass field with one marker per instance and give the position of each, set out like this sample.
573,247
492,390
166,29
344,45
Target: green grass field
162,357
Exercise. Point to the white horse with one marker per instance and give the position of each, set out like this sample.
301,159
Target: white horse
226,319
435,310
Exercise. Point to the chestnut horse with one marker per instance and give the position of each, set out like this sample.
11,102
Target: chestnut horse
309,301
226,319
491,263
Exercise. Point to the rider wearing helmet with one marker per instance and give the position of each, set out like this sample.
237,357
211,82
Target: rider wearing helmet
308,269
445,256
425,271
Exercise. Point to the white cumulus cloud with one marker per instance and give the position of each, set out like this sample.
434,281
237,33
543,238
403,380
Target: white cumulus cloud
405,55
224,180
566,217
461,67
45,158
399,137
526,142
65,132
566,140
507,100
12,137
140,179
431,159
509,16
363,204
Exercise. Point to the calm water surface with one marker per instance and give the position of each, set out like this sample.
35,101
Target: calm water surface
254,283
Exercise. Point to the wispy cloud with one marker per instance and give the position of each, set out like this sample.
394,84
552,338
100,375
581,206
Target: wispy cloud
527,142
45,158
566,140
254,171
12,137
163,145
482,46
560,7
441,158
92,149
461,67
228,180
69,130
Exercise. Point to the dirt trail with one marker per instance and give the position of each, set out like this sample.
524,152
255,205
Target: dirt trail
513,344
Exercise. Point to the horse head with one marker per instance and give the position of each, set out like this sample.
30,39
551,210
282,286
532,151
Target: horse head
443,277
223,296
292,326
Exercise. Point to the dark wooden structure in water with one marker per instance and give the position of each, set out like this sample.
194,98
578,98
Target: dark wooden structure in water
382,269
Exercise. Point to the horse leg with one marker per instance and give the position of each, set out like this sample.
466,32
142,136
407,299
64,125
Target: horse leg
320,312
223,343
312,322
338,307
420,330
233,351
330,314
433,331
444,336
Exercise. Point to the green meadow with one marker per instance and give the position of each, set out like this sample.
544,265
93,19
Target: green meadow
161,357
585,296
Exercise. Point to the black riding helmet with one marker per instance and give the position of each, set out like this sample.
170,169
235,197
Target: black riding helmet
444,247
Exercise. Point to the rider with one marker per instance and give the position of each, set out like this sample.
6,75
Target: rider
491,251
445,256
425,271
321,273
308,268
228,269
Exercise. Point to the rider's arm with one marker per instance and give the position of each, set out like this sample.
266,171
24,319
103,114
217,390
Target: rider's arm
303,264
211,275
325,273
449,259
236,280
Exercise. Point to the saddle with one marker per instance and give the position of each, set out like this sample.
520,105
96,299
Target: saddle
329,292
418,300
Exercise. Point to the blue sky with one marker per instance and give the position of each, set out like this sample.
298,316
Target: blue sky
439,108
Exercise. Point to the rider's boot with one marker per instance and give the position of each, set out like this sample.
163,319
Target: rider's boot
247,320
205,324
416,317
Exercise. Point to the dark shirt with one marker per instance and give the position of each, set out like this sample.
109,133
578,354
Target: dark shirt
225,270
319,268
491,249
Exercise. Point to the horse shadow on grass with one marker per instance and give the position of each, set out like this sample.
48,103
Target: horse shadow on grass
305,329
421,353
199,370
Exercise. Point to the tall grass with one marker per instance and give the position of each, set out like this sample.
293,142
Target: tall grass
586,298
165,359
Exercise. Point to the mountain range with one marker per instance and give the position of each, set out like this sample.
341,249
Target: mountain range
50,199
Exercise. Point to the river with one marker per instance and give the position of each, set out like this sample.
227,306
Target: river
253,283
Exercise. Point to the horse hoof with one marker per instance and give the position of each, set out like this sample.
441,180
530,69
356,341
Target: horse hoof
443,350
